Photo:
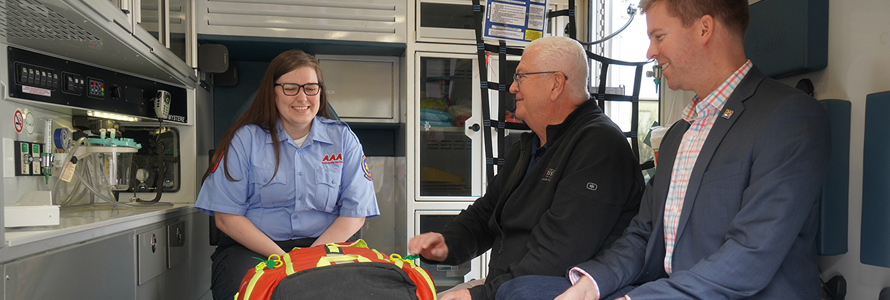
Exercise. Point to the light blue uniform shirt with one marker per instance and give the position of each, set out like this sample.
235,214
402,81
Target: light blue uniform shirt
325,178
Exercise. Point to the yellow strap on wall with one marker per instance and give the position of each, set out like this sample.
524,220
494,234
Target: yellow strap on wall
329,260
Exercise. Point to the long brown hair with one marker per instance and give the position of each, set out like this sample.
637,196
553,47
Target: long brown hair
263,112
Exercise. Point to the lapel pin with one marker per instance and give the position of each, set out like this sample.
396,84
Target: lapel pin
727,114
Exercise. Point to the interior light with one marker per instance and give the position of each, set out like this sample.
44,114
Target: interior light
105,115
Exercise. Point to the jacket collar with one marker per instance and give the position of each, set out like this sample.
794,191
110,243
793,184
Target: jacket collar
588,108
747,86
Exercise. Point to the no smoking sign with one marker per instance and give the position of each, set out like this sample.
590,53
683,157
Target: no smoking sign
19,121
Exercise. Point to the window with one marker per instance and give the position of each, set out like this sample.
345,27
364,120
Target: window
608,16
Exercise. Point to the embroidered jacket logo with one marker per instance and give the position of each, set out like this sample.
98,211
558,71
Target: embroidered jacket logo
333,159
548,174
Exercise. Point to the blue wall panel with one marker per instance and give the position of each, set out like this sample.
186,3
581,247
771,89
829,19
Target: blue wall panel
833,207
876,182
788,37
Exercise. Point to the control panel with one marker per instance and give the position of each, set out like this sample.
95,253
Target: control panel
43,78
97,88
35,76
73,84
35,158
27,158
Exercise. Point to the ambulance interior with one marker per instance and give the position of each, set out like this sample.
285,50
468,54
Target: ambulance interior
114,108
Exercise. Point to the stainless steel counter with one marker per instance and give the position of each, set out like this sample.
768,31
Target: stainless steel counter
81,224
114,247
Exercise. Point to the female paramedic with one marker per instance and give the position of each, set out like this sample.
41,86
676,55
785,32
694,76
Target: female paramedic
289,176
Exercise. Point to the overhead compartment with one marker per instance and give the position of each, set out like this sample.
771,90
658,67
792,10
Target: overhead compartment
362,88
93,32
380,21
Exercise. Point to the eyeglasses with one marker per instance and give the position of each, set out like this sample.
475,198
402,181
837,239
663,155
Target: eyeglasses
517,75
292,89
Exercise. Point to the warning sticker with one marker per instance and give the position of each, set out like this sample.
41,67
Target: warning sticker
36,91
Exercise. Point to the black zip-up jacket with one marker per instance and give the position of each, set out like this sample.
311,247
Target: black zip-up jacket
578,198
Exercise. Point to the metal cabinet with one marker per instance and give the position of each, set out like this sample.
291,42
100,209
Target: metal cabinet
445,21
169,22
448,158
184,266
166,27
451,21
447,276
101,269
447,164
151,254
166,260
362,88
344,20
165,24
177,249
95,32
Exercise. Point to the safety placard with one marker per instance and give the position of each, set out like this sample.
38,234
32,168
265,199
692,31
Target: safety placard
19,121
36,91
518,20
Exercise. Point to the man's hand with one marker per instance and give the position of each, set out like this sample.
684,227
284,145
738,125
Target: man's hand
462,294
430,245
583,289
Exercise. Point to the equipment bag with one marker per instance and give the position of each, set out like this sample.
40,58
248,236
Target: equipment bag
337,271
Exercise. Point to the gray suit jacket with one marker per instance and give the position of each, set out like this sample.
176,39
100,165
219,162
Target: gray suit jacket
748,224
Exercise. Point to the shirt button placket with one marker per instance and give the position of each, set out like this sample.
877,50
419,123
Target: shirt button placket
298,179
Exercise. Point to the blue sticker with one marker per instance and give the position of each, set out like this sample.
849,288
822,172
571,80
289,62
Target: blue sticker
365,168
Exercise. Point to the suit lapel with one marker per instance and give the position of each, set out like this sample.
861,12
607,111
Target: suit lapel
736,108
669,147
655,249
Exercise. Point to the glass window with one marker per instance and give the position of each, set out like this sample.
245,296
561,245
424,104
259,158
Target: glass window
445,15
629,45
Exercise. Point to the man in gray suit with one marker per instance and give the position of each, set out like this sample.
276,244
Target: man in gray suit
731,212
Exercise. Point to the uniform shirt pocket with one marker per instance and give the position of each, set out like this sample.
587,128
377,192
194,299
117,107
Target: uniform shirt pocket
275,191
327,189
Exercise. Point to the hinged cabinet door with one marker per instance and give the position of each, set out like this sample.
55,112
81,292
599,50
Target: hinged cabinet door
448,128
